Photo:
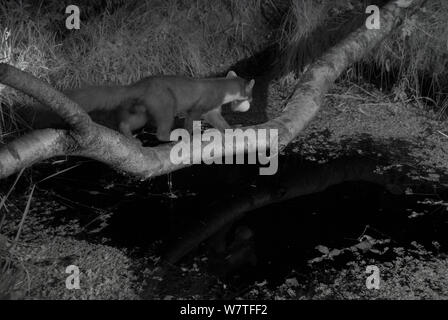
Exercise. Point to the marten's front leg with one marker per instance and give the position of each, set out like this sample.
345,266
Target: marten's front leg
191,116
164,119
215,118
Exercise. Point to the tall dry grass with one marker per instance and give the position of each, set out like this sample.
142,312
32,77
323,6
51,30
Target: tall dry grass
123,41
418,55
415,57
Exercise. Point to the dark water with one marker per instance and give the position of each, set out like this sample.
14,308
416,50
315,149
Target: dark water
285,217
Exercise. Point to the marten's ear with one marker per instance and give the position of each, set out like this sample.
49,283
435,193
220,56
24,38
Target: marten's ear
250,85
231,74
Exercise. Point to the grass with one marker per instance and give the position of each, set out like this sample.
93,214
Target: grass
417,52
412,61
136,39
122,41
415,57
12,270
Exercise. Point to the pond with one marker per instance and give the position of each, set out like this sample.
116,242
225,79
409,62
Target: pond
254,228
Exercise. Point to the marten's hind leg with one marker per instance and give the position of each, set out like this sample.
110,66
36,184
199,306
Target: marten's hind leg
163,113
131,118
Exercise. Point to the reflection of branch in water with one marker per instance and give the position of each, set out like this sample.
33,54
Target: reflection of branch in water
293,181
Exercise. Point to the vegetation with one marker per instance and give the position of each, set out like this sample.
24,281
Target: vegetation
126,41
412,60
122,41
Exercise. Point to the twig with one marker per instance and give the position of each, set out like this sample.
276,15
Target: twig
59,172
25,213
3,201
443,134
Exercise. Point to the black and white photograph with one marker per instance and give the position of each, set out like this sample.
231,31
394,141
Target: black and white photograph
224,157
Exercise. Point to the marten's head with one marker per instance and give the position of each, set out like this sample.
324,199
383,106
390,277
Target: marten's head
242,104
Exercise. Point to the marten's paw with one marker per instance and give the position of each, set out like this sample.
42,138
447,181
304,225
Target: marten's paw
163,136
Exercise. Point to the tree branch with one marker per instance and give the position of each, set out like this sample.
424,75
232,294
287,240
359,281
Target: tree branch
97,142
74,115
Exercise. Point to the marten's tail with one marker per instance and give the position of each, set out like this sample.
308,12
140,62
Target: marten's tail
92,99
